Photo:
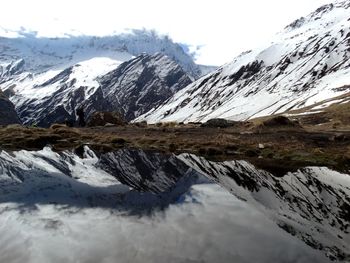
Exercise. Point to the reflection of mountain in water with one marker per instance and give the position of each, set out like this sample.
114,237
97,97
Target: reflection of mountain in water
311,204
144,206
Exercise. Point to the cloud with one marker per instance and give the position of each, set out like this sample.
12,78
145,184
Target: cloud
224,27
211,225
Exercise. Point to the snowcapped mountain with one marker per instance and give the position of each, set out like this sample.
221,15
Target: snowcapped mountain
97,84
308,62
141,84
8,114
47,79
40,54
54,198
54,95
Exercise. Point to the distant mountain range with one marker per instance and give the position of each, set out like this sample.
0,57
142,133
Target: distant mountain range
47,79
41,54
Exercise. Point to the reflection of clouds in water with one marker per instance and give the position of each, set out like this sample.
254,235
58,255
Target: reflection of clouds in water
216,228
14,247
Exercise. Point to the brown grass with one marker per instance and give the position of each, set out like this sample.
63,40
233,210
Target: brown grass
284,149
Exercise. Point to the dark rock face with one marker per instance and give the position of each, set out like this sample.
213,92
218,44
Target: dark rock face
143,83
8,114
246,72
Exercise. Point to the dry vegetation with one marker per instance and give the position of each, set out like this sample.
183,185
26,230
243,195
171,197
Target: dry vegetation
277,144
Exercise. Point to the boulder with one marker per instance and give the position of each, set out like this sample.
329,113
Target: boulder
105,119
280,121
218,123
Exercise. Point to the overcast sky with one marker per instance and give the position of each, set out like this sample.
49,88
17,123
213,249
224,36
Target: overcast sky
222,28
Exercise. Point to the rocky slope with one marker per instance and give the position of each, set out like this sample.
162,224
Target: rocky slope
306,63
141,84
48,78
99,84
8,113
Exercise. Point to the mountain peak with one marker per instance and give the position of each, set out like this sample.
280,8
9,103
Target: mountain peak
42,53
319,15
143,83
98,84
303,65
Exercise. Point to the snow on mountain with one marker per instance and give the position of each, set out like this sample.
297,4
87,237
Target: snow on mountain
47,79
147,207
41,54
7,70
54,95
306,63
8,114
138,85
97,84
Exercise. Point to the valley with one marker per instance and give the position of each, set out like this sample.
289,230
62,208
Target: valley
126,148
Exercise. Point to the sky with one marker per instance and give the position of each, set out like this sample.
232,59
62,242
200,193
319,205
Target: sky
217,29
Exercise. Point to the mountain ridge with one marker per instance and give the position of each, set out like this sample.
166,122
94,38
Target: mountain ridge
49,78
303,65
99,84
42,53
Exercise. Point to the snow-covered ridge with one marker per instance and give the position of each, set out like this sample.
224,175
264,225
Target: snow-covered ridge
304,64
41,54
53,96
48,78
318,13
141,84
98,84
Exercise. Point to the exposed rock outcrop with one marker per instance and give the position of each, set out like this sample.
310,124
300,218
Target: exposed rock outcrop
8,114
143,83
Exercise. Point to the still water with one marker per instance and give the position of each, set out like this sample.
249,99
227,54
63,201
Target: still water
136,206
